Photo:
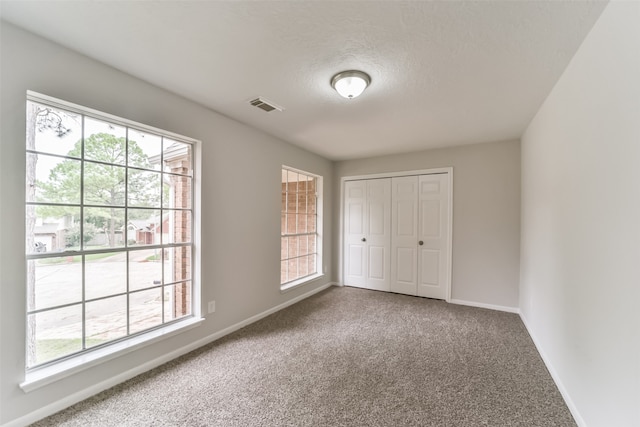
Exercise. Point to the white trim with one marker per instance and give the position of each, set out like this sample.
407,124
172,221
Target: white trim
81,109
507,309
397,174
303,172
554,375
74,398
444,170
41,377
450,234
196,229
300,282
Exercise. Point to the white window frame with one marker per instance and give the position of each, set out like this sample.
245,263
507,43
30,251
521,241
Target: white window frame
287,286
50,371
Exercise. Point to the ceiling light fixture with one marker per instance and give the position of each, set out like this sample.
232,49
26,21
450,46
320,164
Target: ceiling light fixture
350,84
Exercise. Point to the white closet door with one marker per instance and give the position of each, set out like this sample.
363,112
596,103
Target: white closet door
378,233
355,255
433,244
367,207
404,231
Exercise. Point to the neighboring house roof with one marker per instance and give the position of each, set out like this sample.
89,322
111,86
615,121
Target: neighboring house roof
46,228
172,152
150,224
141,224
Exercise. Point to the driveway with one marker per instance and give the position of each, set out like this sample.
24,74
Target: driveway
61,283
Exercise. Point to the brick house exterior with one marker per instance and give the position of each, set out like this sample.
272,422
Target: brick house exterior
177,160
298,215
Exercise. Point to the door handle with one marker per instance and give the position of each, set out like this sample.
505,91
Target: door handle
421,243
363,239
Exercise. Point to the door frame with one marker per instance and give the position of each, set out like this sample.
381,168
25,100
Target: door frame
433,171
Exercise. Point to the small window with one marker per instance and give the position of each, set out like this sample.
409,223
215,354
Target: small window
300,242
109,229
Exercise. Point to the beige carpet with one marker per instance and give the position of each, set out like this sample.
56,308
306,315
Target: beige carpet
346,357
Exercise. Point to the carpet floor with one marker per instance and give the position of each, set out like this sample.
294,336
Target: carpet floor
345,357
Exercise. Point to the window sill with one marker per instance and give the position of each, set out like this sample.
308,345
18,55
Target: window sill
297,283
41,377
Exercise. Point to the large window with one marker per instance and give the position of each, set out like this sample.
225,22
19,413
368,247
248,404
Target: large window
109,227
300,238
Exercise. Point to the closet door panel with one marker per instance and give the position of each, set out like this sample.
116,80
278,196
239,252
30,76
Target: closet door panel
430,263
378,237
377,217
355,256
367,207
434,218
406,266
404,240
356,261
377,256
430,212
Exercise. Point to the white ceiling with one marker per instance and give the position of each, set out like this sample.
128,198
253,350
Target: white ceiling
443,73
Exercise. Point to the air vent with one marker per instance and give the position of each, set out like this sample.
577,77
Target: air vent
265,105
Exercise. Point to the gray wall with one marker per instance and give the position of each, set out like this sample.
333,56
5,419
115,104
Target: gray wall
580,279
240,204
486,214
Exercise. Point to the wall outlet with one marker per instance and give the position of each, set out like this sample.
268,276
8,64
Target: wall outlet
212,306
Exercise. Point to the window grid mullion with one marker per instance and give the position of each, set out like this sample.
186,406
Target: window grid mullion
308,233
54,307
315,216
296,204
300,256
82,248
295,216
47,255
162,175
89,205
286,222
289,189
126,227
306,204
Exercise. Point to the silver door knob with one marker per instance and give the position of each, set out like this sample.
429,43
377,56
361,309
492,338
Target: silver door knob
421,243
364,240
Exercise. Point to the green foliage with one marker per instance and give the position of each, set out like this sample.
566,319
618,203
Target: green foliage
72,235
104,185
156,257
49,349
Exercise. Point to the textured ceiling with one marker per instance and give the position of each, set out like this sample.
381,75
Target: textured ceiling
443,73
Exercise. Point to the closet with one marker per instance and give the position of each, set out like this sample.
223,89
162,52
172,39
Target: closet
397,234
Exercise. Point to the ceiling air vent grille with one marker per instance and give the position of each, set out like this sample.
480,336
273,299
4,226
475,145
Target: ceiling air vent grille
265,105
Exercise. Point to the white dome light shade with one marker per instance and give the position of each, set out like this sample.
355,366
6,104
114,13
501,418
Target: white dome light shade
350,84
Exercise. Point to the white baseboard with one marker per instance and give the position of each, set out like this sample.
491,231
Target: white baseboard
515,310
113,381
556,378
